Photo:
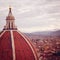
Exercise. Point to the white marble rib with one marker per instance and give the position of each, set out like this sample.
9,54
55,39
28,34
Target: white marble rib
13,45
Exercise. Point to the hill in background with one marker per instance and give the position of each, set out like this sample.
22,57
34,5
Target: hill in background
41,34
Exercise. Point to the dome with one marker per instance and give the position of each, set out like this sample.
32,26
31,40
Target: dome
10,16
14,45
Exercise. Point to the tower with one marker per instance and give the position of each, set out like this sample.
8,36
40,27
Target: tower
10,21
14,45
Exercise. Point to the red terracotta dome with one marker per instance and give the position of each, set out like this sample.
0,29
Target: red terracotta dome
15,46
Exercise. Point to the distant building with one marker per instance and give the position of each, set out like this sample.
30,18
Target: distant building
13,44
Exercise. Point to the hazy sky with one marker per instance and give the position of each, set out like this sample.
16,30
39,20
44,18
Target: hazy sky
32,15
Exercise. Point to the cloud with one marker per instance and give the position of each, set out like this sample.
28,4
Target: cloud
38,28
32,15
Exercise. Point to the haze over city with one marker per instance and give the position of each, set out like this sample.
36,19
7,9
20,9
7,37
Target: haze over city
32,15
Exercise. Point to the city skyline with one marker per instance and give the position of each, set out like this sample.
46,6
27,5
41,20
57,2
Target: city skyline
32,15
